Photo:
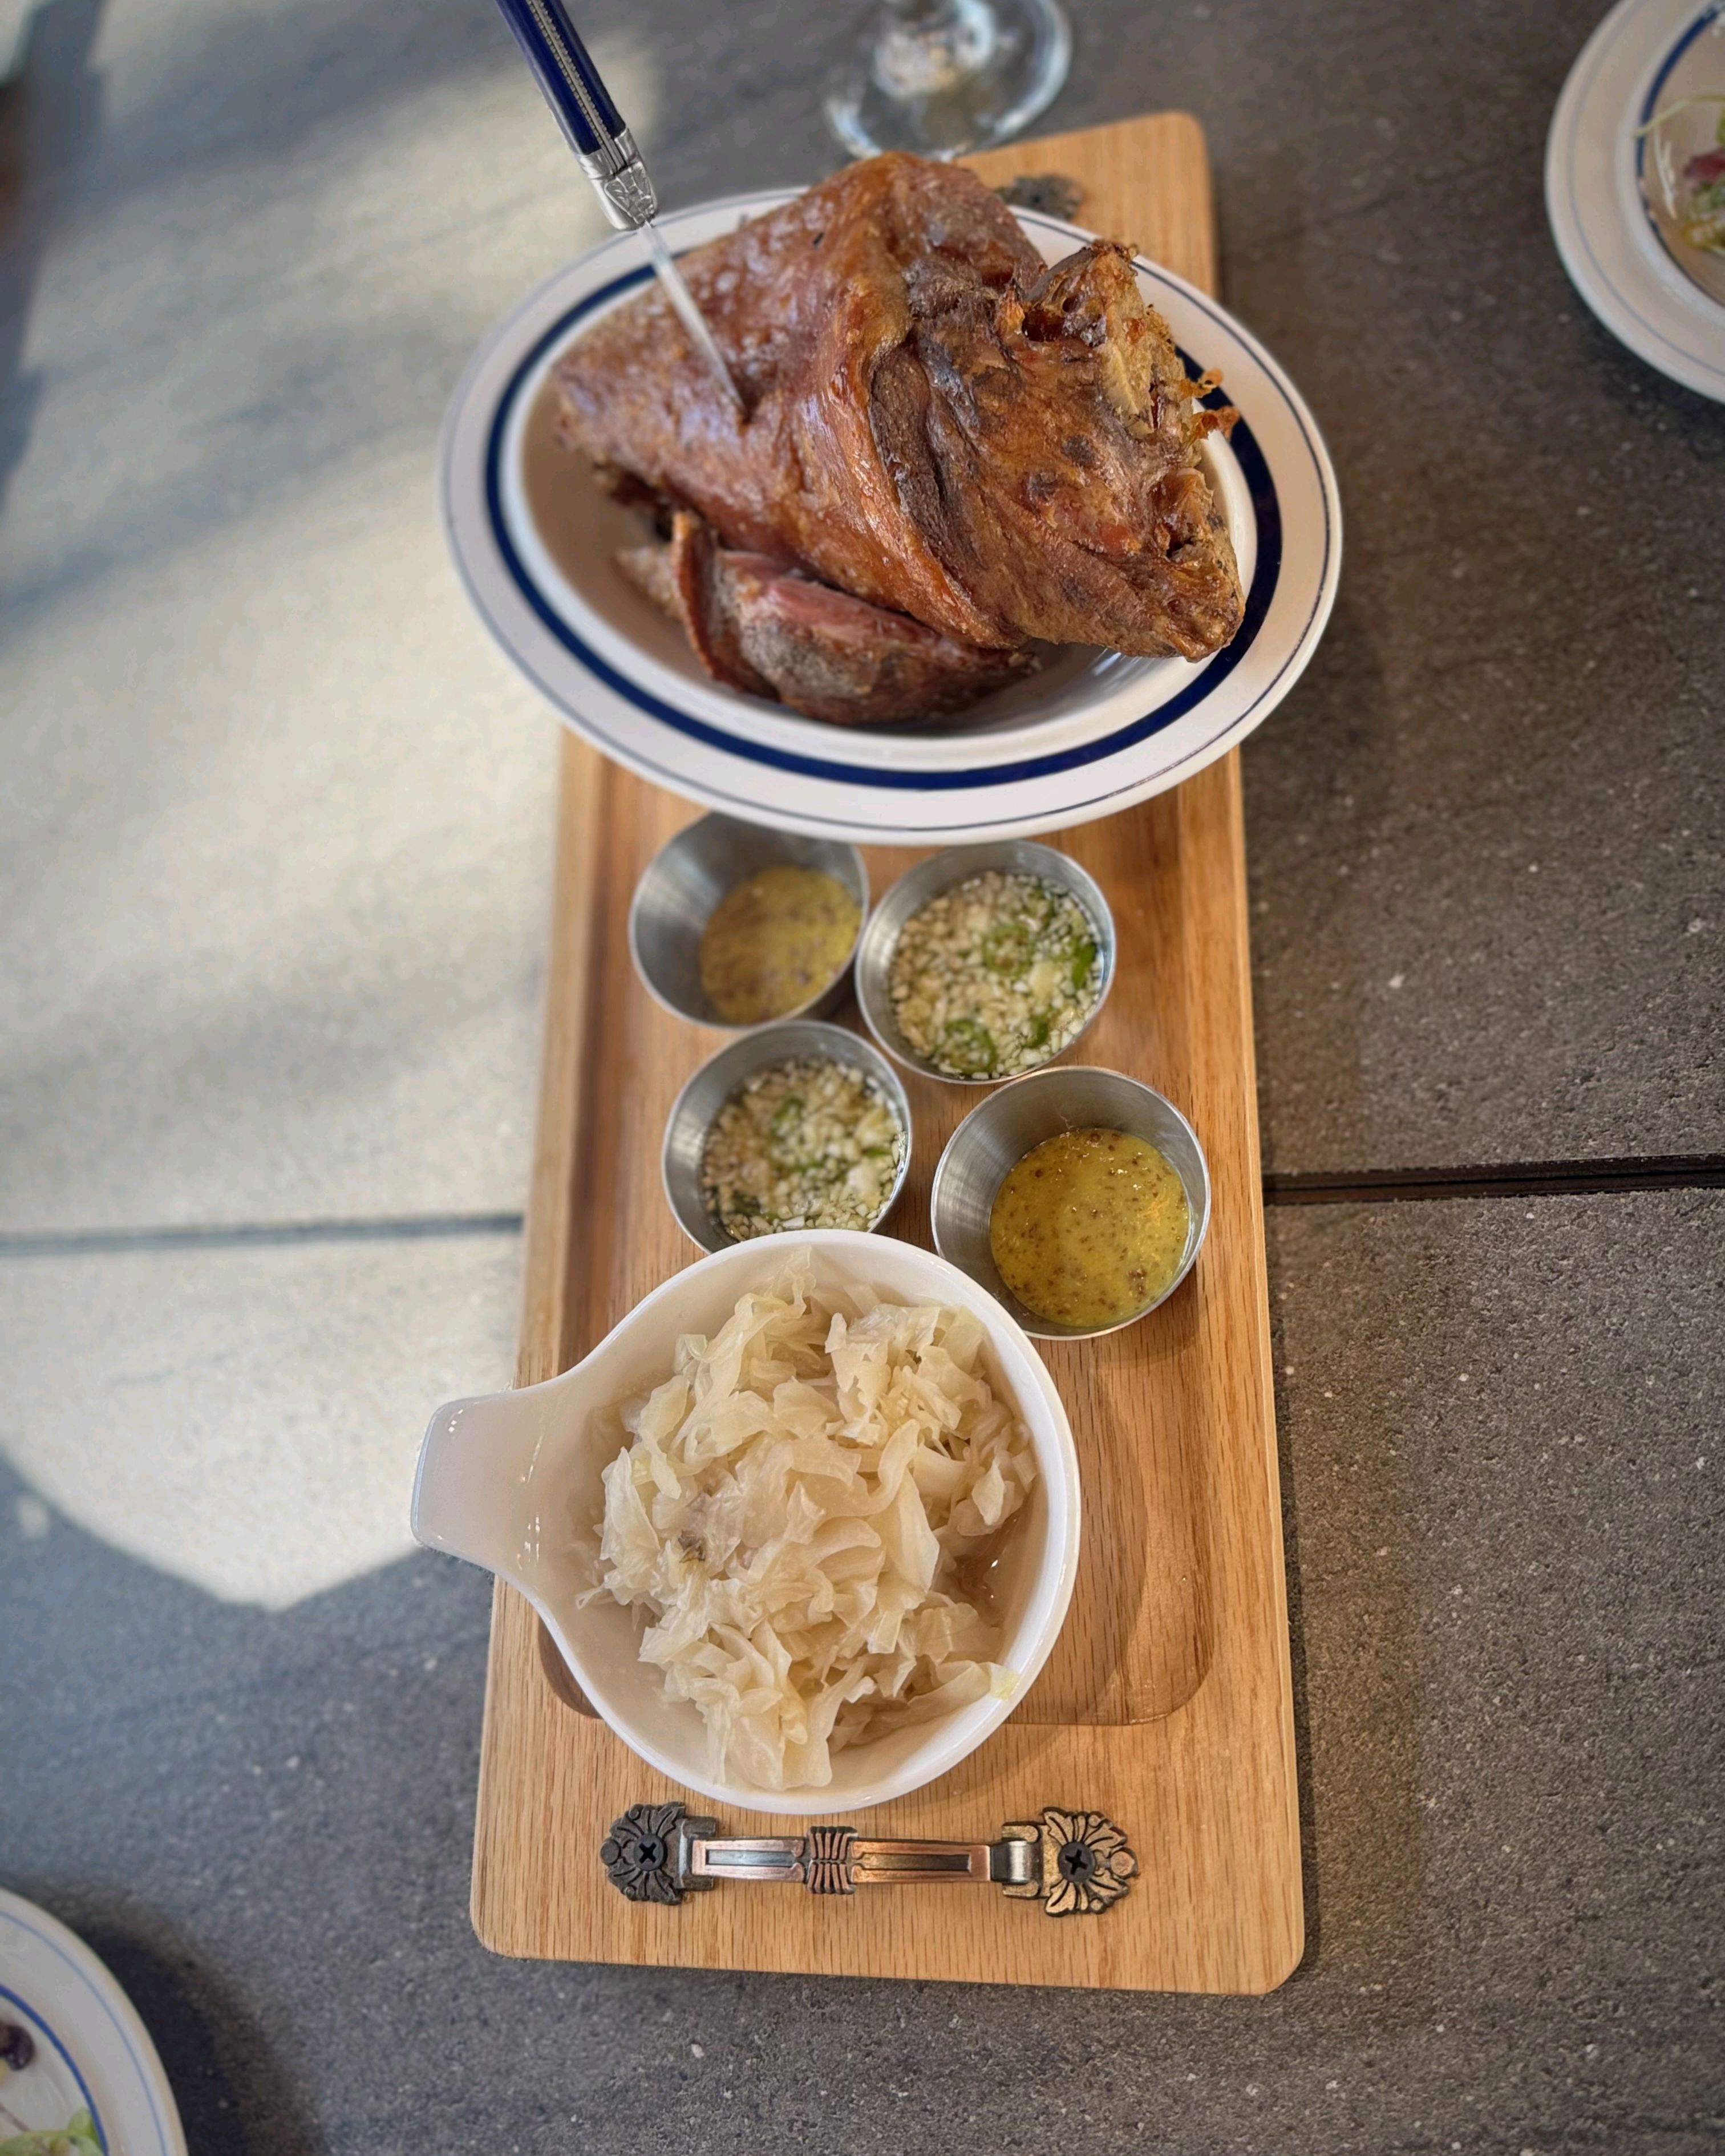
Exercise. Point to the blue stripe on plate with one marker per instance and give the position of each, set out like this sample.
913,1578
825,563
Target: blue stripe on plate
1265,507
64,2050
1704,21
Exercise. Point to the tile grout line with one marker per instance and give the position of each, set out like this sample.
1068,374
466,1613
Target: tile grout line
412,1227
1549,1178
1372,1186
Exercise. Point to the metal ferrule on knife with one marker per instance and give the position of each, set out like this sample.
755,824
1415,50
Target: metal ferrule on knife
624,188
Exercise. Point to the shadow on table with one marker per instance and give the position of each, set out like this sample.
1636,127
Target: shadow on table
234,2098
49,114
1359,1678
1311,1904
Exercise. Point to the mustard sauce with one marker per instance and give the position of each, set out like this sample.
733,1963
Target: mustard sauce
1089,1227
773,943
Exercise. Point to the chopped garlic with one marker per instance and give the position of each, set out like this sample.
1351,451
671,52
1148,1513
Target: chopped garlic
995,975
807,1144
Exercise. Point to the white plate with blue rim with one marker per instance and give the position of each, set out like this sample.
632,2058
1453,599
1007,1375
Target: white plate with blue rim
1635,112
1094,733
76,2054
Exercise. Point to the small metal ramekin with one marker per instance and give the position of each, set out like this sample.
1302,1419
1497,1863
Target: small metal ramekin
997,1134
693,1111
684,882
939,873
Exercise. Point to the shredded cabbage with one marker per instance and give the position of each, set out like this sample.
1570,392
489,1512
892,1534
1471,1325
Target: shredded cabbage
806,1511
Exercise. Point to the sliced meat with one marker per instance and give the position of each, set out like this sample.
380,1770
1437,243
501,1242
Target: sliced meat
937,423
763,628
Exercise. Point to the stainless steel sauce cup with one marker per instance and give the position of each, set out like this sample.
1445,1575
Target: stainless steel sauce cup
939,873
693,1111
995,1136
683,884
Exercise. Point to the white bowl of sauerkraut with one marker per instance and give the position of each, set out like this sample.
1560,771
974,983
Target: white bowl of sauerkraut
804,1526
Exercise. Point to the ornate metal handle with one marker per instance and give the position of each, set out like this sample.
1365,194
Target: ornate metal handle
1074,1863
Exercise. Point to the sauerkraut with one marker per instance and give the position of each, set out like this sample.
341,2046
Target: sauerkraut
808,1513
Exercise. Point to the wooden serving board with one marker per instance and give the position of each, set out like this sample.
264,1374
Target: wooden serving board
1167,1703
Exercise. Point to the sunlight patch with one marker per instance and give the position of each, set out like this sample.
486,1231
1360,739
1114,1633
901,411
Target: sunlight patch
247,1419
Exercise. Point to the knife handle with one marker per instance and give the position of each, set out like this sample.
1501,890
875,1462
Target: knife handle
566,74
585,109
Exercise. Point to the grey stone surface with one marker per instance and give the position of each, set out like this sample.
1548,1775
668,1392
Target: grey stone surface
272,859
275,841
1487,834
1501,1428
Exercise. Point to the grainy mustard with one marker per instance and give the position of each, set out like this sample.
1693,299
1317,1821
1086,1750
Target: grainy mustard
1089,1227
775,942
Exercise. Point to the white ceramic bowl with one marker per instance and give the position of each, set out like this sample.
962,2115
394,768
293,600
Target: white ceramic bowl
508,1481
1096,731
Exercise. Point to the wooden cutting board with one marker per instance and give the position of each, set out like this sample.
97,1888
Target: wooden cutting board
1167,1703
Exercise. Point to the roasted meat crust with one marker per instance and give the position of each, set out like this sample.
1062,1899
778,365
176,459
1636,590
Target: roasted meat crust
759,627
936,423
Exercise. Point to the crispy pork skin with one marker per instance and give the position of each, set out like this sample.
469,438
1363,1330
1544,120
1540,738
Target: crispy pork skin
936,423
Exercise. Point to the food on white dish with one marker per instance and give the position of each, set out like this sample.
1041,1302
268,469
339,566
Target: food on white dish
995,975
775,942
809,1511
757,625
953,453
810,1143
1691,180
78,2137
1089,1227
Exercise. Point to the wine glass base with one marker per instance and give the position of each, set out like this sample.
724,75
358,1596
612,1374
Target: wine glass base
946,80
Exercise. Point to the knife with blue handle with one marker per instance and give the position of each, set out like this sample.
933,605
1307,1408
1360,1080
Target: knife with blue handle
606,151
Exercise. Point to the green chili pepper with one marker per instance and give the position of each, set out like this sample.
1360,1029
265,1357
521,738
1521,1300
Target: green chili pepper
1084,959
967,1047
787,1116
1006,947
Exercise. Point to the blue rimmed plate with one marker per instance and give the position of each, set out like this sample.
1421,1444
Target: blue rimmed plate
533,539
1609,199
91,2053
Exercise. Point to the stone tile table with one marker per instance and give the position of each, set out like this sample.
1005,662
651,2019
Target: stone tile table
273,862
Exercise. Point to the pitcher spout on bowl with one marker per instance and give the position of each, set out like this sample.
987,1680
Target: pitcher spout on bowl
478,1494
